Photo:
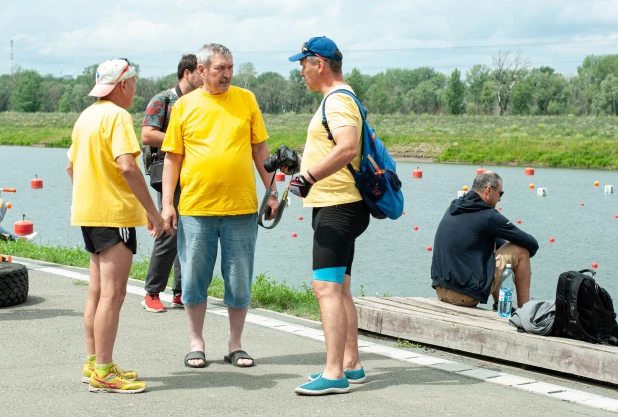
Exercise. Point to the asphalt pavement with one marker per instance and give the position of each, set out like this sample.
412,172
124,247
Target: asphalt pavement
42,351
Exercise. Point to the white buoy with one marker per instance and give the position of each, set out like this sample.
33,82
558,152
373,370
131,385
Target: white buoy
609,189
541,192
461,193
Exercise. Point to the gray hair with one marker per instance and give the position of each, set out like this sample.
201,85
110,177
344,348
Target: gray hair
484,180
333,64
207,52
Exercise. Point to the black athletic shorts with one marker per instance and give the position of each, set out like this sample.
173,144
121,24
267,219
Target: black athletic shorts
99,238
335,231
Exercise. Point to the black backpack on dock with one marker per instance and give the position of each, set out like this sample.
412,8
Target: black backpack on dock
584,310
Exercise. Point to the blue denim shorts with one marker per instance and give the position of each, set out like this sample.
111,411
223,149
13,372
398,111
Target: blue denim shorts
198,241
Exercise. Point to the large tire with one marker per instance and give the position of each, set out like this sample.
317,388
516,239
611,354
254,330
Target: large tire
13,284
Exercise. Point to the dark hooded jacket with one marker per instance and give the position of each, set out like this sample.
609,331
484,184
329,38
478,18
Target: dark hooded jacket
463,252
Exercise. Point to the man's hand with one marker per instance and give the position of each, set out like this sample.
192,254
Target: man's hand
273,205
155,224
300,186
169,219
70,171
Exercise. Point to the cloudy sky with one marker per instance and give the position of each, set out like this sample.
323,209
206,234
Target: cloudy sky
63,37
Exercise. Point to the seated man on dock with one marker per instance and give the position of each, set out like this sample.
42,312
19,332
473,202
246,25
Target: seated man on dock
473,244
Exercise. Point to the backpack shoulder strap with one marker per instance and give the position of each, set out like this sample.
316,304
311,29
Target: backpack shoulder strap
362,110
576,282
573,323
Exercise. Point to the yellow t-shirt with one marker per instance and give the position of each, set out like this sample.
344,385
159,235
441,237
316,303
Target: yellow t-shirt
101,196
339,188
214,133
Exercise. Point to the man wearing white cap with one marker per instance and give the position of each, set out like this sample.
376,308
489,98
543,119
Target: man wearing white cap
110,199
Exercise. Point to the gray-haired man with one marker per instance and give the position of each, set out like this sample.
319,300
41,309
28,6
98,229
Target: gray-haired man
471,249
217,135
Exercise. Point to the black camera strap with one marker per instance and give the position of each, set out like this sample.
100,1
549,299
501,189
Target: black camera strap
264,212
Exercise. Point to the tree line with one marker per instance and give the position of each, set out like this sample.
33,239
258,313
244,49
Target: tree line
509,86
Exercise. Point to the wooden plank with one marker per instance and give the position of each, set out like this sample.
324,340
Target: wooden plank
484,336
389,305
437,304
491,322
467,312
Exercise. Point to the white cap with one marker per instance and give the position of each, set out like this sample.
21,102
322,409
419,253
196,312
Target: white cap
111,73
508,265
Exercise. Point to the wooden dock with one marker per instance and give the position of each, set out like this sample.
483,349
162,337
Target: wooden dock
482,332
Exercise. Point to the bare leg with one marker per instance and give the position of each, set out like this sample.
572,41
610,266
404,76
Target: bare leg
334,321
237,318
351,360
115,265
94,292
522,277
196,315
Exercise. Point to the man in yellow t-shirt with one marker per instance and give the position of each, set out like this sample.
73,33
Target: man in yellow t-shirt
110,199
215,136
339,214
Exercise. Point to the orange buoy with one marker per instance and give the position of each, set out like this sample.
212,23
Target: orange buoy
464,188
616,216
415,227
294,234
36,182
279,176
500,208
531,186
529,171
300,217
518,221
596,183
595,265
23,227
581,204
480,170
551,239
9,205
429,248
417,173
403,212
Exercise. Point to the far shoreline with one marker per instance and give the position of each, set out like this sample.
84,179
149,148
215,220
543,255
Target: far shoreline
402,157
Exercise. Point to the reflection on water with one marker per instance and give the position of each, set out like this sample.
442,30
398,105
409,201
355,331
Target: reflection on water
390,257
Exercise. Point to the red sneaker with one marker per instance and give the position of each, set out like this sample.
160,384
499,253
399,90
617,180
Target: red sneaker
176,301
153,304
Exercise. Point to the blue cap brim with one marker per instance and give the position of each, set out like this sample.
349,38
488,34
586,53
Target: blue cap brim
300,56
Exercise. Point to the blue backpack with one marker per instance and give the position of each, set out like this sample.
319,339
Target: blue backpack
377,178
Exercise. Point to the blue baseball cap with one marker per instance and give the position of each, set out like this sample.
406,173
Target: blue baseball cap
320,46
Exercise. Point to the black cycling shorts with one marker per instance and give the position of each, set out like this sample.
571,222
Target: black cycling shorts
335,231
99,238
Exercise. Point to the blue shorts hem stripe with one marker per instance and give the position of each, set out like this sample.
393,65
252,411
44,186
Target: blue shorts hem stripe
334,274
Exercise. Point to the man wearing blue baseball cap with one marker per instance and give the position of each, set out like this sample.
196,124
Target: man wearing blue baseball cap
339,214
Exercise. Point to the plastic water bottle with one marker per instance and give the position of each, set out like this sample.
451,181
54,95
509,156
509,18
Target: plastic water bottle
505,300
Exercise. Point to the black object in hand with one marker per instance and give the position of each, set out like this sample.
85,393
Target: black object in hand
283,157
300,186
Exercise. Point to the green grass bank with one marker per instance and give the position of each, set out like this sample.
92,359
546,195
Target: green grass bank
265,292
550,141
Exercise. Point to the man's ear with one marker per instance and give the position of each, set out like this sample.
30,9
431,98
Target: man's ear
201,68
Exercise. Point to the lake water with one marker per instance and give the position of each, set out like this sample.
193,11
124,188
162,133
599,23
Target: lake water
391,258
